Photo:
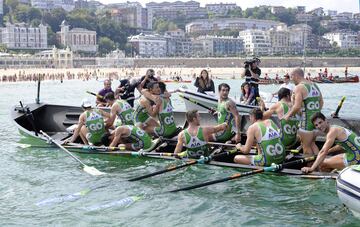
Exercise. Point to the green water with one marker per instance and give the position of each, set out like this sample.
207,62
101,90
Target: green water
31,175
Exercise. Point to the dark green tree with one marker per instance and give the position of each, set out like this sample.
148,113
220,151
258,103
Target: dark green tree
106,45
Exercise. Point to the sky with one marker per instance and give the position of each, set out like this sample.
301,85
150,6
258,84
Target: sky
339,5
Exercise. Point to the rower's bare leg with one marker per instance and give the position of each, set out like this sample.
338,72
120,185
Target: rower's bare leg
83,132
335,162
307,139
150,127
242,159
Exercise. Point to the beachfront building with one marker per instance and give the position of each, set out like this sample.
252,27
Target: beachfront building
177,10
114,59
147,46
132,14
220,8
22,36
256,42
58,58
343,39
67,5
215,46
78,39
177,43
299,37
219,24
279,39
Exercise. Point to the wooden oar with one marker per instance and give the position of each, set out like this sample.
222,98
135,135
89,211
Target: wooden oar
271,168
89,169
188,163
94,94
336,114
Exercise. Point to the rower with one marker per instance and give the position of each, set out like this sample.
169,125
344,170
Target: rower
286,84
145,111
307,99
103,92
165,113
345,139
91,126
289,128
227,113
119,108
267,136
130,137
194,138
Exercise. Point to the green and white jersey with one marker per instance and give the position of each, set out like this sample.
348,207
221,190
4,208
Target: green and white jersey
140,114
127,113
288,128
351,145
225,116
95,125
196,146
272,149
166,117
139,138
311,105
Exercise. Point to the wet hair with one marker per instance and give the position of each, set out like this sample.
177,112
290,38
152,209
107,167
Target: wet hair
162,86
190,115
150,71
283,92
109,96
257,113
316,116
151,84
225,85
105,139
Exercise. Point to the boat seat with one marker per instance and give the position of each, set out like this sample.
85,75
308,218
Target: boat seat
70,122
73,114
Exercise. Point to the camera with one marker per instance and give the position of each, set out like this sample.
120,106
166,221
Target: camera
248,63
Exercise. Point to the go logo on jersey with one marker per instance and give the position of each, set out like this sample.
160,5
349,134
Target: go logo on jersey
169,120
96,127
140,132
313,105
275,150
357,141
290,130
128,117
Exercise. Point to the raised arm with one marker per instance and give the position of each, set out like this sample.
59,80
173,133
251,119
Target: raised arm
298,96
112,117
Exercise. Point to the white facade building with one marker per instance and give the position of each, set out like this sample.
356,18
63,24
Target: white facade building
256,42
279,39
207,25
220,8
218,46
21,36
299,37
78,39
59,58
148,45
132,14
344,40
67,5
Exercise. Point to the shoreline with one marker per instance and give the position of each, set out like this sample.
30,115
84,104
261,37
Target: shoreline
31,74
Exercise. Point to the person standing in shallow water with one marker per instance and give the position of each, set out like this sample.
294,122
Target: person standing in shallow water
204,83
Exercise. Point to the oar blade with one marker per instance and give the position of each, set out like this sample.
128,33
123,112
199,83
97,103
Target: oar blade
92,171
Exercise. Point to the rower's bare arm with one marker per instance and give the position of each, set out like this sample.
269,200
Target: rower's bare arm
298,101
321,101
148,95
214,129
117,136
112,117
180,144
235,113
330,139
104,113
77,130
249,141
267,114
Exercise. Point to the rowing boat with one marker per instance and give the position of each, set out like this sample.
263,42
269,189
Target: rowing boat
55,119
348,188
